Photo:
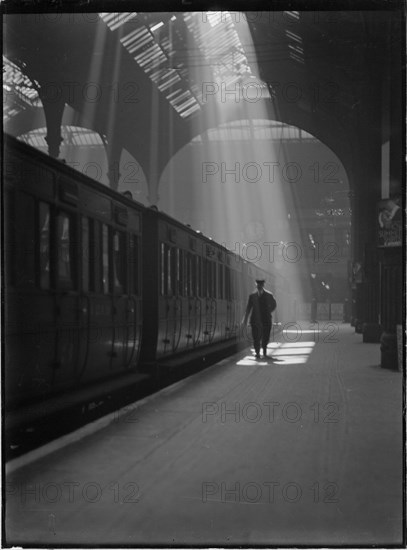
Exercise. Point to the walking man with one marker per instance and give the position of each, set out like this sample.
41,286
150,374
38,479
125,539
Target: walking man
260,306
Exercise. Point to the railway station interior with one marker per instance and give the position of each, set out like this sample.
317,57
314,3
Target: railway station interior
157,163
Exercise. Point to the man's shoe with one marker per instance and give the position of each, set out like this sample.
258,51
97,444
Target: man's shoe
257,355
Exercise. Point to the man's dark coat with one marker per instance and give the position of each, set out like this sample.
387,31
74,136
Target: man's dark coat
253,307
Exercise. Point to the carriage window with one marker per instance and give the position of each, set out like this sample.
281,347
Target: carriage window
208,279
227,283
119,262
134,272
170,271
204,278
65,262
44,245
105,259
211,280
85,254
214,285
93,255
220,281
185,275
235,286
190,276
180,273
163,269
198,276
193,275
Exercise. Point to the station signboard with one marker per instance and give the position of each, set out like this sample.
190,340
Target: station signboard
389,222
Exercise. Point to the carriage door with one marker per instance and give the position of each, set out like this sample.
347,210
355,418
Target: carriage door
121,300
197,313
170,304
84,300
189,292
230,307
193,309
184,339
176,307
134,303
210,307
68,304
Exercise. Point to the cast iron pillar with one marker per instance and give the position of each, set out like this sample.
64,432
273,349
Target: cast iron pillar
390,255
113,148
53,110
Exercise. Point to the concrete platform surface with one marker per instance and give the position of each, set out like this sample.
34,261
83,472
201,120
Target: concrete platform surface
302,449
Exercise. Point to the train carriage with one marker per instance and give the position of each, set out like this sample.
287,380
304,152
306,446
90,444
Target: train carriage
73,311
98,286
191,295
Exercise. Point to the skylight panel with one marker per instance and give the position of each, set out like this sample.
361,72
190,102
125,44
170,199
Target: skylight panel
220,45
297,58
150,56
214,17
187,104
297,49
18,90
157,26
181,97
154,56
172,94
130,38
189,112
293,36
168,83
293,15
136,40
116,20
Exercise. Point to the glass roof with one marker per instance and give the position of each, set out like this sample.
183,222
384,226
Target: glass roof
19,92
168,47
179,52
239,130
72,135
295,45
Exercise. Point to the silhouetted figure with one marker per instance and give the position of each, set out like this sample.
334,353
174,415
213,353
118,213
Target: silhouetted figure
260,306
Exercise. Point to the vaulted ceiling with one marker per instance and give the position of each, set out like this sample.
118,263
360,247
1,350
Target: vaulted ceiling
147,81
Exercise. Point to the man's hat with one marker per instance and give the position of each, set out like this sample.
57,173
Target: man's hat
260,281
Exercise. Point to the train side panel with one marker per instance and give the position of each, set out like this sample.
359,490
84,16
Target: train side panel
194,285
72,288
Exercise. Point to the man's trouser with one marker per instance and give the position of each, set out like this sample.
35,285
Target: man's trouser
261,335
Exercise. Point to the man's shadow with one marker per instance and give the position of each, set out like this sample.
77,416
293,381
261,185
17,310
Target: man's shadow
269,359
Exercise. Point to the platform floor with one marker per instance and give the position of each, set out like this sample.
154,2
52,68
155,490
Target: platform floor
305,449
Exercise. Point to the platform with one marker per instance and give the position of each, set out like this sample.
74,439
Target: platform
304,448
